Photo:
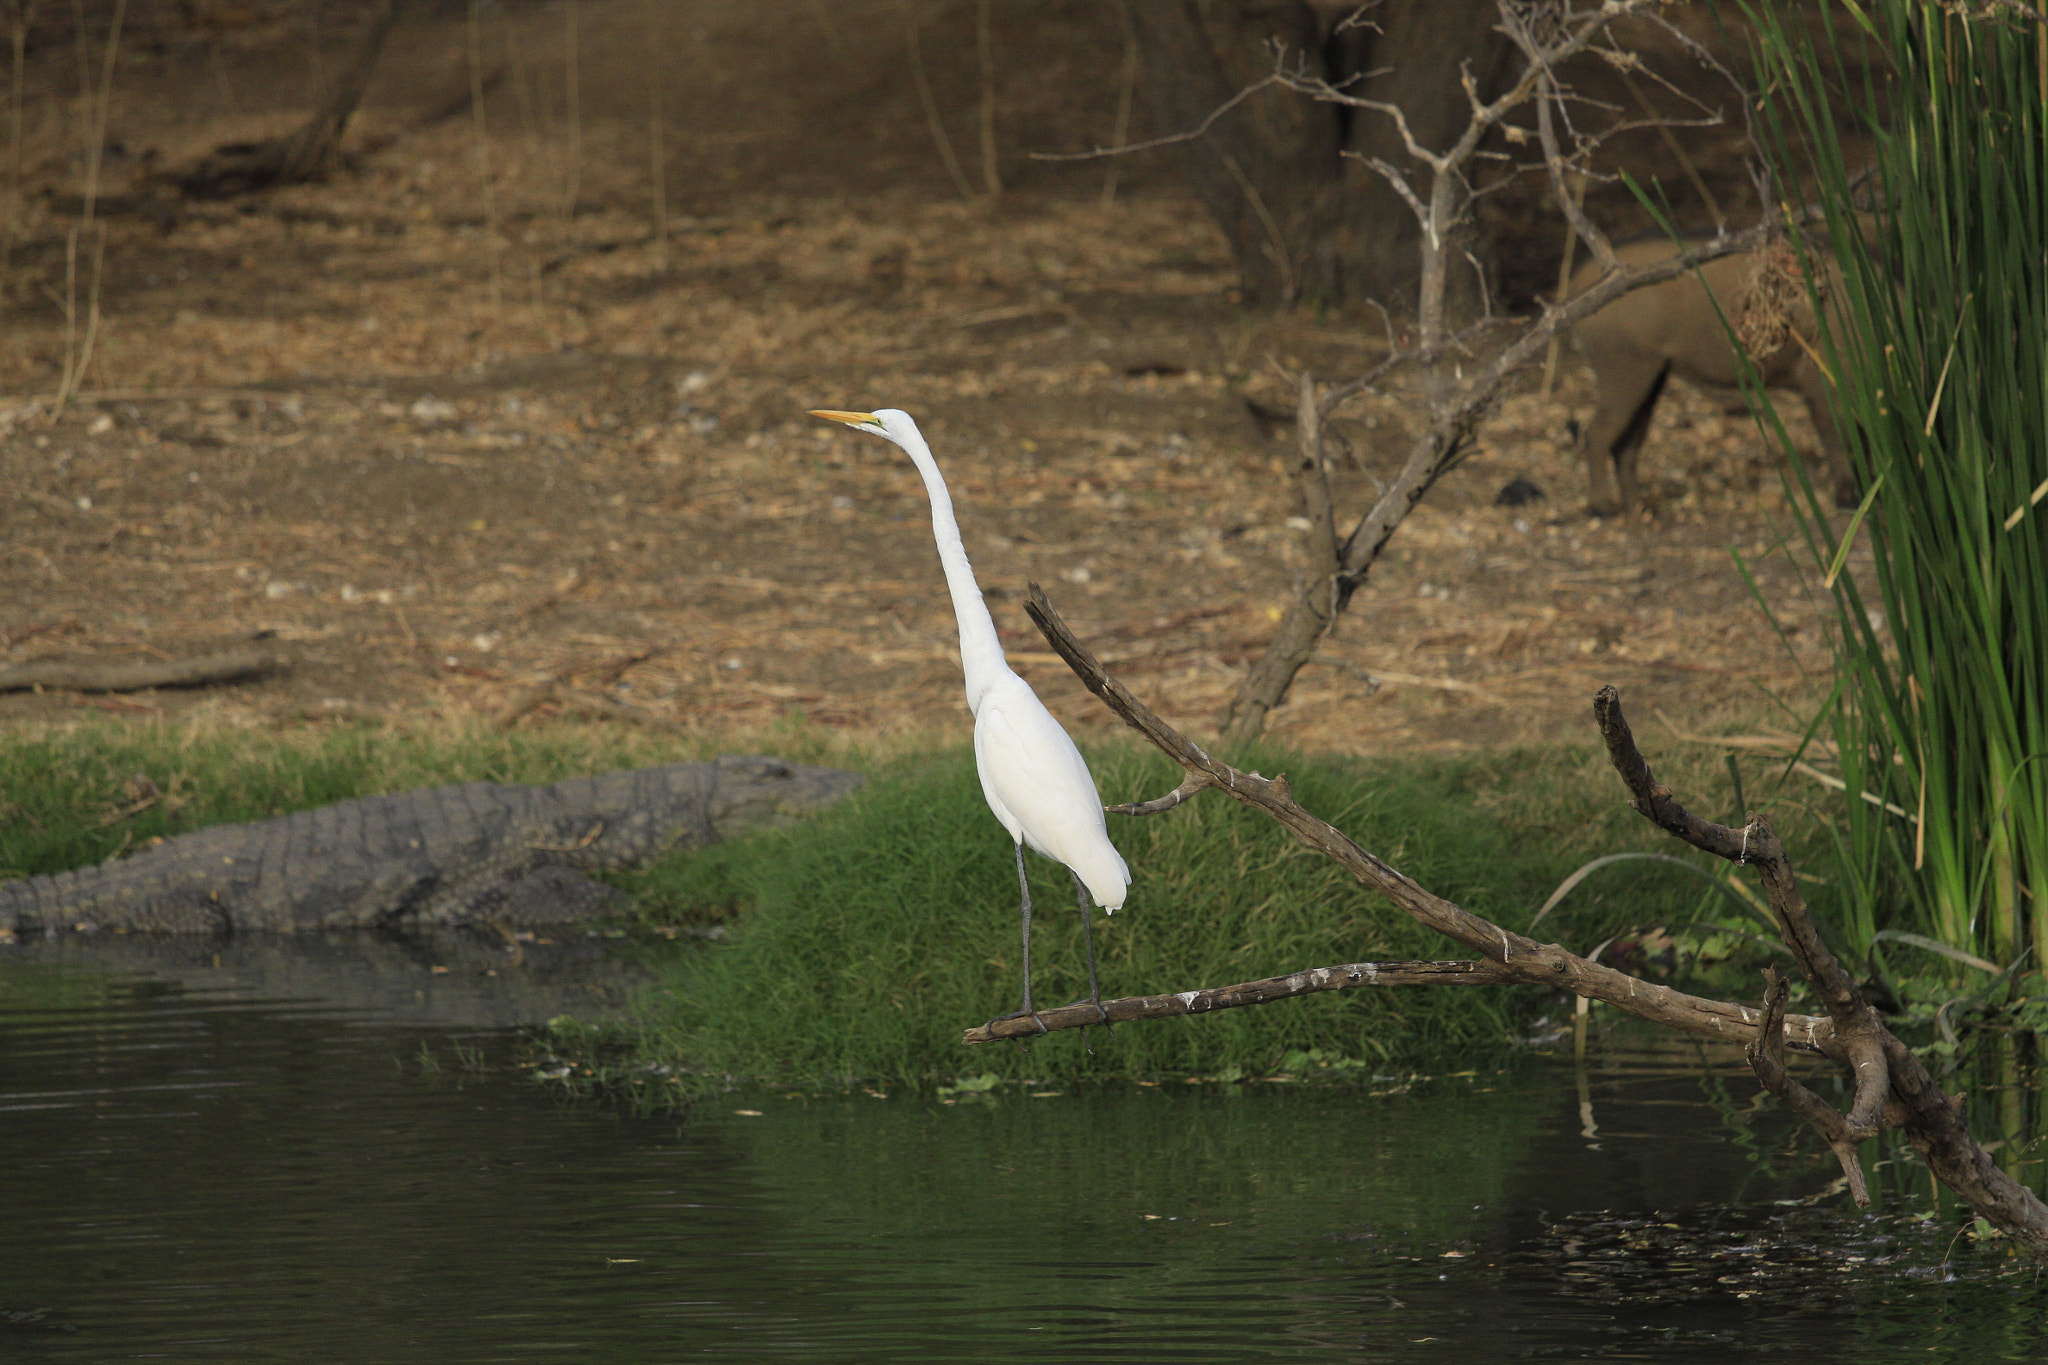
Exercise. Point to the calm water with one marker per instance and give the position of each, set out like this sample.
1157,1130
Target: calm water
195,1170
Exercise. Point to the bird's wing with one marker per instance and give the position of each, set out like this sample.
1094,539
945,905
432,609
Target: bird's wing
1032,774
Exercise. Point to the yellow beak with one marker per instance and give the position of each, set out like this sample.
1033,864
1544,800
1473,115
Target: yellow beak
851,418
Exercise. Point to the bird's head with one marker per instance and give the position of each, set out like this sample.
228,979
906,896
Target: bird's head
892,424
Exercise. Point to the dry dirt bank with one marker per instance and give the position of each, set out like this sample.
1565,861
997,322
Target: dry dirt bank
441,440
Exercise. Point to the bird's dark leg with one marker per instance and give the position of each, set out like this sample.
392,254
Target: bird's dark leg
1088,938
1024,894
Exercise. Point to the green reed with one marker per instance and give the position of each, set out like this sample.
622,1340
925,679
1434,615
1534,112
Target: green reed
1941,352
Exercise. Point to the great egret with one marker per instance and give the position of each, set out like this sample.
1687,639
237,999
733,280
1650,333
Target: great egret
1031,774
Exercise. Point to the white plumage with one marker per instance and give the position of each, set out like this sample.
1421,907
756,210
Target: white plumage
1033,777
1041,790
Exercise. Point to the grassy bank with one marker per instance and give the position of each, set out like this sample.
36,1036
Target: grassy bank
857,944
860,944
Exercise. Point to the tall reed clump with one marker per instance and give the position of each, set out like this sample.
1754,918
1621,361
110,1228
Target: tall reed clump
1940,350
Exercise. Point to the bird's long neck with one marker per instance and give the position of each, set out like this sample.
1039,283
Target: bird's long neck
981,653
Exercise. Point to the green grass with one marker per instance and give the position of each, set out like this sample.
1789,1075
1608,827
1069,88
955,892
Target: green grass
861,943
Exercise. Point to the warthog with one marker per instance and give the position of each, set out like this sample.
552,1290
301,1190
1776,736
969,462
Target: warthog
1641,339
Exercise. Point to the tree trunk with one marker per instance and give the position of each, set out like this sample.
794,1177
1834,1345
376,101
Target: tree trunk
1267,170
1305,221
244,168
1415,55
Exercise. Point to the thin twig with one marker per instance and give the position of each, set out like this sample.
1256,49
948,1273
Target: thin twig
481,132
1127,90
1565,262
1276,240
985,58
78,352
656,152
572,96
1671,144
933,122
1169,139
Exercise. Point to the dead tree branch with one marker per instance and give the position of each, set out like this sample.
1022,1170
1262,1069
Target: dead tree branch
1345,976
1857,1026
1767,1059
1893,1088
1522,959
132,675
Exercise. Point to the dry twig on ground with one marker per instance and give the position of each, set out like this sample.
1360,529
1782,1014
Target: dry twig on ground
131,675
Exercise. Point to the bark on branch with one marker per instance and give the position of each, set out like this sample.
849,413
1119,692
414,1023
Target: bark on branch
1893,1088
1767,1060
1342,977
1858,1028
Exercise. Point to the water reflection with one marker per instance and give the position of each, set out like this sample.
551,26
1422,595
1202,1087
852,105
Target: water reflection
466,978
189,1174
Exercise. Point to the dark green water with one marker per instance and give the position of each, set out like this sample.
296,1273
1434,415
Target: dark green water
195,1174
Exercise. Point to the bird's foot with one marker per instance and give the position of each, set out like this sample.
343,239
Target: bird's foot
1030,1014
1101,1014
1095,1000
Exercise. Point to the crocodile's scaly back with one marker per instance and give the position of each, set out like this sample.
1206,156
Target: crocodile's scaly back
446,855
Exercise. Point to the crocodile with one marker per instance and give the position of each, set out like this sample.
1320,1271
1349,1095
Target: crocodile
477,853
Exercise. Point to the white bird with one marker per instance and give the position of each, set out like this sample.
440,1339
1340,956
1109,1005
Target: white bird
1031,774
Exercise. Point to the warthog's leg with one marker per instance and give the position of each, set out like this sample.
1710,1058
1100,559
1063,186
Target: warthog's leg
1629,385
1812,383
